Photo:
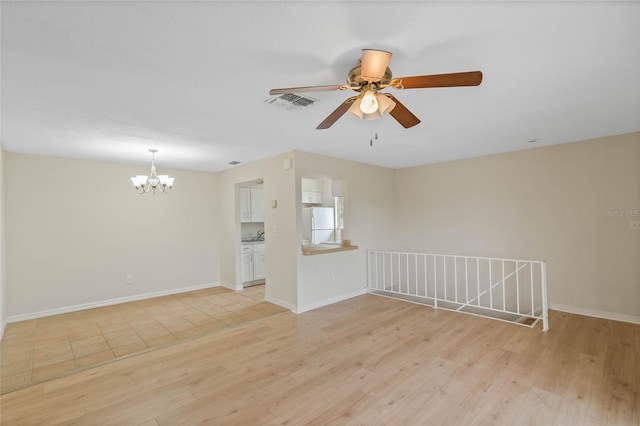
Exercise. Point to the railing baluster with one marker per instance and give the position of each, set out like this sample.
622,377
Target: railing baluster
391,270
504,303
490,289
399,276
531,284
384,272
444,275
408,288
455,276
517,289
370,275
466,280
478,281
424,257
415,260
435,281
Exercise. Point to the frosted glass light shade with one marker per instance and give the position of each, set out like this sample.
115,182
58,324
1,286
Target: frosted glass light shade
385,104
373,116
139,180
354,109
369,103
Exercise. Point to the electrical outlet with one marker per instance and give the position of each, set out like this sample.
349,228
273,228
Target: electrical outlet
129,279
634,225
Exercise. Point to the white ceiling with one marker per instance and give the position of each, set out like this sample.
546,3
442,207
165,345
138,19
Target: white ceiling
108,80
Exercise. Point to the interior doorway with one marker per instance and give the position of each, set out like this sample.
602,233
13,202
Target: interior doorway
250,241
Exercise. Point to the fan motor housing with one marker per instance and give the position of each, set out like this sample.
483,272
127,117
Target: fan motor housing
354,78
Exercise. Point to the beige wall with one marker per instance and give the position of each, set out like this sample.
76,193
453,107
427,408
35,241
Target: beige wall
72,241
76,229
547,204
369,215
280,227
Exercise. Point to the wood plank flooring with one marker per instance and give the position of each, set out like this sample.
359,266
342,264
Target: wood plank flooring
365,361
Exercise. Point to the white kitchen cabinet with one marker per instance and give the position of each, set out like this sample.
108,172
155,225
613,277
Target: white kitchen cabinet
312,197
251,204
245,204
257,205
252,262
247,267
258,262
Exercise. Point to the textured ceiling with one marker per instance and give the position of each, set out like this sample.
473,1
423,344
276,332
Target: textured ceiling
108,80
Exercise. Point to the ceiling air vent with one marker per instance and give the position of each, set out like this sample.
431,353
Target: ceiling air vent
290,100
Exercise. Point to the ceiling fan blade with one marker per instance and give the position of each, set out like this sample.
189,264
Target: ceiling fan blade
470,78
402,114
335,115
374,63
309,89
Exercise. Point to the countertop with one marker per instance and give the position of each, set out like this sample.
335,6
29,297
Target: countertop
313,249
252,242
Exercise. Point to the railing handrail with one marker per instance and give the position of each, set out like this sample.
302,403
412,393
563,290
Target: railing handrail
458,256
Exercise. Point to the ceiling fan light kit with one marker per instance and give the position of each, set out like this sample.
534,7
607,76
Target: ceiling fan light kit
370,76
383,105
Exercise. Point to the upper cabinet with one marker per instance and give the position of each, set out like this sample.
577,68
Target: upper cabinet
251,204
257,205
245,204
312,197
315,191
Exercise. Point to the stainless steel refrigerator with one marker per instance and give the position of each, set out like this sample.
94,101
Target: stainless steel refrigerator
318,225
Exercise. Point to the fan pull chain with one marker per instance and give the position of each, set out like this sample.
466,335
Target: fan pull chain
373,132
371,135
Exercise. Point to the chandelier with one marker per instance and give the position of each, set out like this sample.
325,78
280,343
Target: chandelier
144,184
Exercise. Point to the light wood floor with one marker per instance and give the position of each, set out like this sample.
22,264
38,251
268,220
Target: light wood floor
42,349
367,360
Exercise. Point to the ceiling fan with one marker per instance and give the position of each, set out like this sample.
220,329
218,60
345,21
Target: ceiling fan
369,77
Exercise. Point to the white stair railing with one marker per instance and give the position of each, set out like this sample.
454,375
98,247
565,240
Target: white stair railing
508,289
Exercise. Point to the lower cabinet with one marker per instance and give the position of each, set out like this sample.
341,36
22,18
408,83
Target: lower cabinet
247,267
252,262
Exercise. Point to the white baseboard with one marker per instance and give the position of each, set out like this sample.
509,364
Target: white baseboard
280,303
233,287
2,327
108,302
634,319
330,301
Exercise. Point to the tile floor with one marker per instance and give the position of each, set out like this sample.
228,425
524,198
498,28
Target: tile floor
38,350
